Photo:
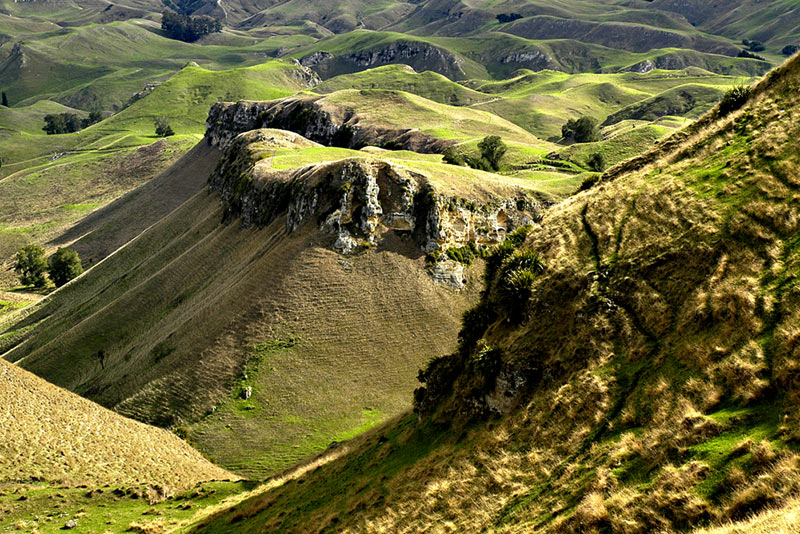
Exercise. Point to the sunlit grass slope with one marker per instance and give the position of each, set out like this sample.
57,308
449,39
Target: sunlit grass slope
52,435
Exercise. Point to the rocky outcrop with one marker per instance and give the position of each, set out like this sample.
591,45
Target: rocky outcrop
357,201
419,55
689,58
314,119
307,77
530,59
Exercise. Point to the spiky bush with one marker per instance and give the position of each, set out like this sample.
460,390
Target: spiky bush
733,99
516,279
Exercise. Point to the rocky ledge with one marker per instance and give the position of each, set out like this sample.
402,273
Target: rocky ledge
357,201
314,119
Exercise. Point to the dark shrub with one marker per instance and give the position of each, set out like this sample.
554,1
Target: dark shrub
733,99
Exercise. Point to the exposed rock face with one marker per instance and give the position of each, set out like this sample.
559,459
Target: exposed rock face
688,58
314,119
643,67
419,55
530,59
356,201
307,77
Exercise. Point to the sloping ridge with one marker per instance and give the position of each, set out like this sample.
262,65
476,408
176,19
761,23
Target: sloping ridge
315,118
105,230
52,435
648,384
168,327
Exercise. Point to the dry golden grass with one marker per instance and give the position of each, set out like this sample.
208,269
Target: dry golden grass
52,435
782,520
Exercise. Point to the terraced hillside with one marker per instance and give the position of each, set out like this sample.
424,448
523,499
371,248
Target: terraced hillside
643,379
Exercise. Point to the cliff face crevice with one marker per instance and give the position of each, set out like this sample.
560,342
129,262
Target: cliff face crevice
320,122
356,201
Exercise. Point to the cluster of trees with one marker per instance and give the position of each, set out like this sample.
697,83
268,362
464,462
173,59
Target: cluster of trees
790,50
163,129
754,46
750,55
5,99
583,130
187,28
31,266
502,18
492,150
61,123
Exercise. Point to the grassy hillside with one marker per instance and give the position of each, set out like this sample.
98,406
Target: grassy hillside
541,102
496,55
166,336
116,61
79,442
644,382
63,178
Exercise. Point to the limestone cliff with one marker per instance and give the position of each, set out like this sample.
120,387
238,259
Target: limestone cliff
313,118
358,200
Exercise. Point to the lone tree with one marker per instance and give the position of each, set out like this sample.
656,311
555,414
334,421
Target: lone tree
64,265
596,162
30,266
163,129
5,99
492,150
583,130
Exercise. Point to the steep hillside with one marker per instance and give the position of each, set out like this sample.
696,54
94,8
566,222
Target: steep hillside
63,179
630,368
55,436
251,294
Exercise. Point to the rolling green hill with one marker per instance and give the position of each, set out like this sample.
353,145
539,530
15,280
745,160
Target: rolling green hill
267,283
642,381
63,178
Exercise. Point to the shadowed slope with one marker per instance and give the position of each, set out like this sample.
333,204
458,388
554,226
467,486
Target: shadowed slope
105,230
